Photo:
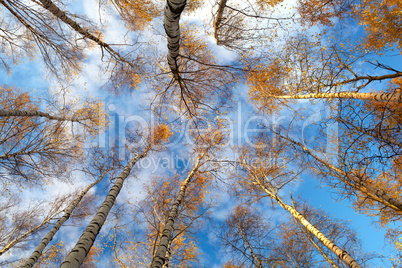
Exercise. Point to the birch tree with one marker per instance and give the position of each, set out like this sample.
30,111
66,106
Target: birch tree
308,69
61,15
298,247
67,213
36,144
268,180
207,144
247,236
29,30
182,251
85,242
204,85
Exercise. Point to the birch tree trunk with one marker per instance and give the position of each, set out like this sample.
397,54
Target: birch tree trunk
173,10
4,113
167,256
342,254
256,260
31,231
85,242
331,262
48,4
355,182
218,20
49,236
167,234
272,193
395,97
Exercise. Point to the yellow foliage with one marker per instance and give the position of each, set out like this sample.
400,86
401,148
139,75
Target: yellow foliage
322,12
231,264
381,21
263,4
162,133
137,14
267,81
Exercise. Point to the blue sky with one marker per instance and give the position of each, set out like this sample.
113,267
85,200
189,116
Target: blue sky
132,107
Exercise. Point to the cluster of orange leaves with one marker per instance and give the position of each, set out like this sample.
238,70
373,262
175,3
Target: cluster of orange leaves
389,113
137,14
382,22
161,133
381,19
265,82
163,192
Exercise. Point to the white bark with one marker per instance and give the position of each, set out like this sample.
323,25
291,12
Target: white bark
77,255
173,10
64,18
49,236
167,234
4,113
396,97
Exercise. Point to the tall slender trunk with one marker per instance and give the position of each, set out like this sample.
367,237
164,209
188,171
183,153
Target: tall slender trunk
396,97
173,10
167,256
218,20
64,18
375,135
49,236
331,262
167,234
342,254
357,183
85,242
256,260
4,113
31,231
22,20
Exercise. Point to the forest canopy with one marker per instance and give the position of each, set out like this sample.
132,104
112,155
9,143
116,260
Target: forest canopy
200,133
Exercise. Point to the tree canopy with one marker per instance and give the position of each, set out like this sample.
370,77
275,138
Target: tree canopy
197,133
